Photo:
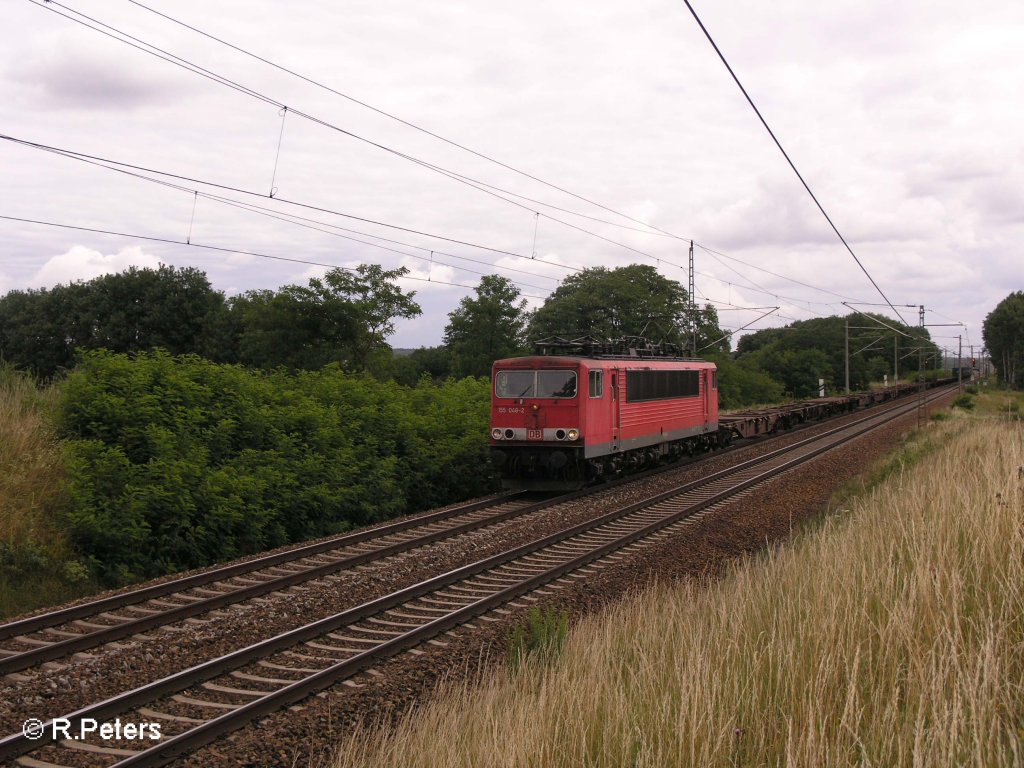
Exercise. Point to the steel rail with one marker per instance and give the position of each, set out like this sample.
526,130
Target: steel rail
135,597
84,641
62,648
211,730
111,633
123,600
17,744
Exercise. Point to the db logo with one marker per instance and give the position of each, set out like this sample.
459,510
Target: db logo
535,434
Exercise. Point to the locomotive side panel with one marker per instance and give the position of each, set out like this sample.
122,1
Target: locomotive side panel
657,403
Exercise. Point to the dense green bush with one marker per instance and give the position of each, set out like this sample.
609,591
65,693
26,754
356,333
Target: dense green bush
964,401
177,462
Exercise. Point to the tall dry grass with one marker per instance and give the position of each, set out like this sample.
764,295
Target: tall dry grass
36,563
31,464
891,635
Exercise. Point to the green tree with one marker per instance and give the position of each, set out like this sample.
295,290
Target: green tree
871,348
797,369
487,327
130,311
433,362
176,462
741,383
33,334
343,318
141,309
627,301
1003,331
369,296
291,327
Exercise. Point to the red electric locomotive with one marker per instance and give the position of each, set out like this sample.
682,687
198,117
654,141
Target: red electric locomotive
583,409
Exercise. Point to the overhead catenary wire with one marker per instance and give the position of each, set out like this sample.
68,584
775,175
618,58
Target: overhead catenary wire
651,228
296,219
483,186
107,162
752,286
790,161
712,252
317,225
306,222
876,320
741,328
120,166
495,191
315,228
288,219
741,307
189,66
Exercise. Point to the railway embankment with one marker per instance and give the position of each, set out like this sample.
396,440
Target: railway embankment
886,632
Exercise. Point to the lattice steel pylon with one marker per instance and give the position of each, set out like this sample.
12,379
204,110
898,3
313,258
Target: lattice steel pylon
693,307
920,370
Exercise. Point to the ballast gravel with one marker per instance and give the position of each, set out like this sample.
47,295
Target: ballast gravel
311,730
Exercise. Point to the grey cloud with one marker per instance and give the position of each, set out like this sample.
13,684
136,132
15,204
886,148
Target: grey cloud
70,81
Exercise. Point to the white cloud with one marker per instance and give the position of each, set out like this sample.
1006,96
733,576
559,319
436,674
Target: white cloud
303,277
81,263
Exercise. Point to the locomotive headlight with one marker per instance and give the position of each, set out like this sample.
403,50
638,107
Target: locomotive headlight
496,433
573,434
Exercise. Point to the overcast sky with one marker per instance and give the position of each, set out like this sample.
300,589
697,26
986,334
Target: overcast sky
904,118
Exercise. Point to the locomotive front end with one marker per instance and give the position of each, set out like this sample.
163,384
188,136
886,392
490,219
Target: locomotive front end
536,423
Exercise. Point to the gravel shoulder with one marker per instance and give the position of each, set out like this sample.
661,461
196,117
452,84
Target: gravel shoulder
308,735
296,736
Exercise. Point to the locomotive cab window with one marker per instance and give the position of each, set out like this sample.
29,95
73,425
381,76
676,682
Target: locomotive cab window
556,383
515,383
533,384
597,383
714,379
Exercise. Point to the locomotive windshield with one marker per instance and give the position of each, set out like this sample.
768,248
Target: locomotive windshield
525,384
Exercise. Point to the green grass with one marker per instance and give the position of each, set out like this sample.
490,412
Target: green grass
541,636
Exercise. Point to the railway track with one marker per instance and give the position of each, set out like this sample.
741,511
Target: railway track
200,704
61,633
67,631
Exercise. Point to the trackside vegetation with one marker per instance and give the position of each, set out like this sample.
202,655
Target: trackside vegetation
149,423
135,466
891,634
178,462
37,562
